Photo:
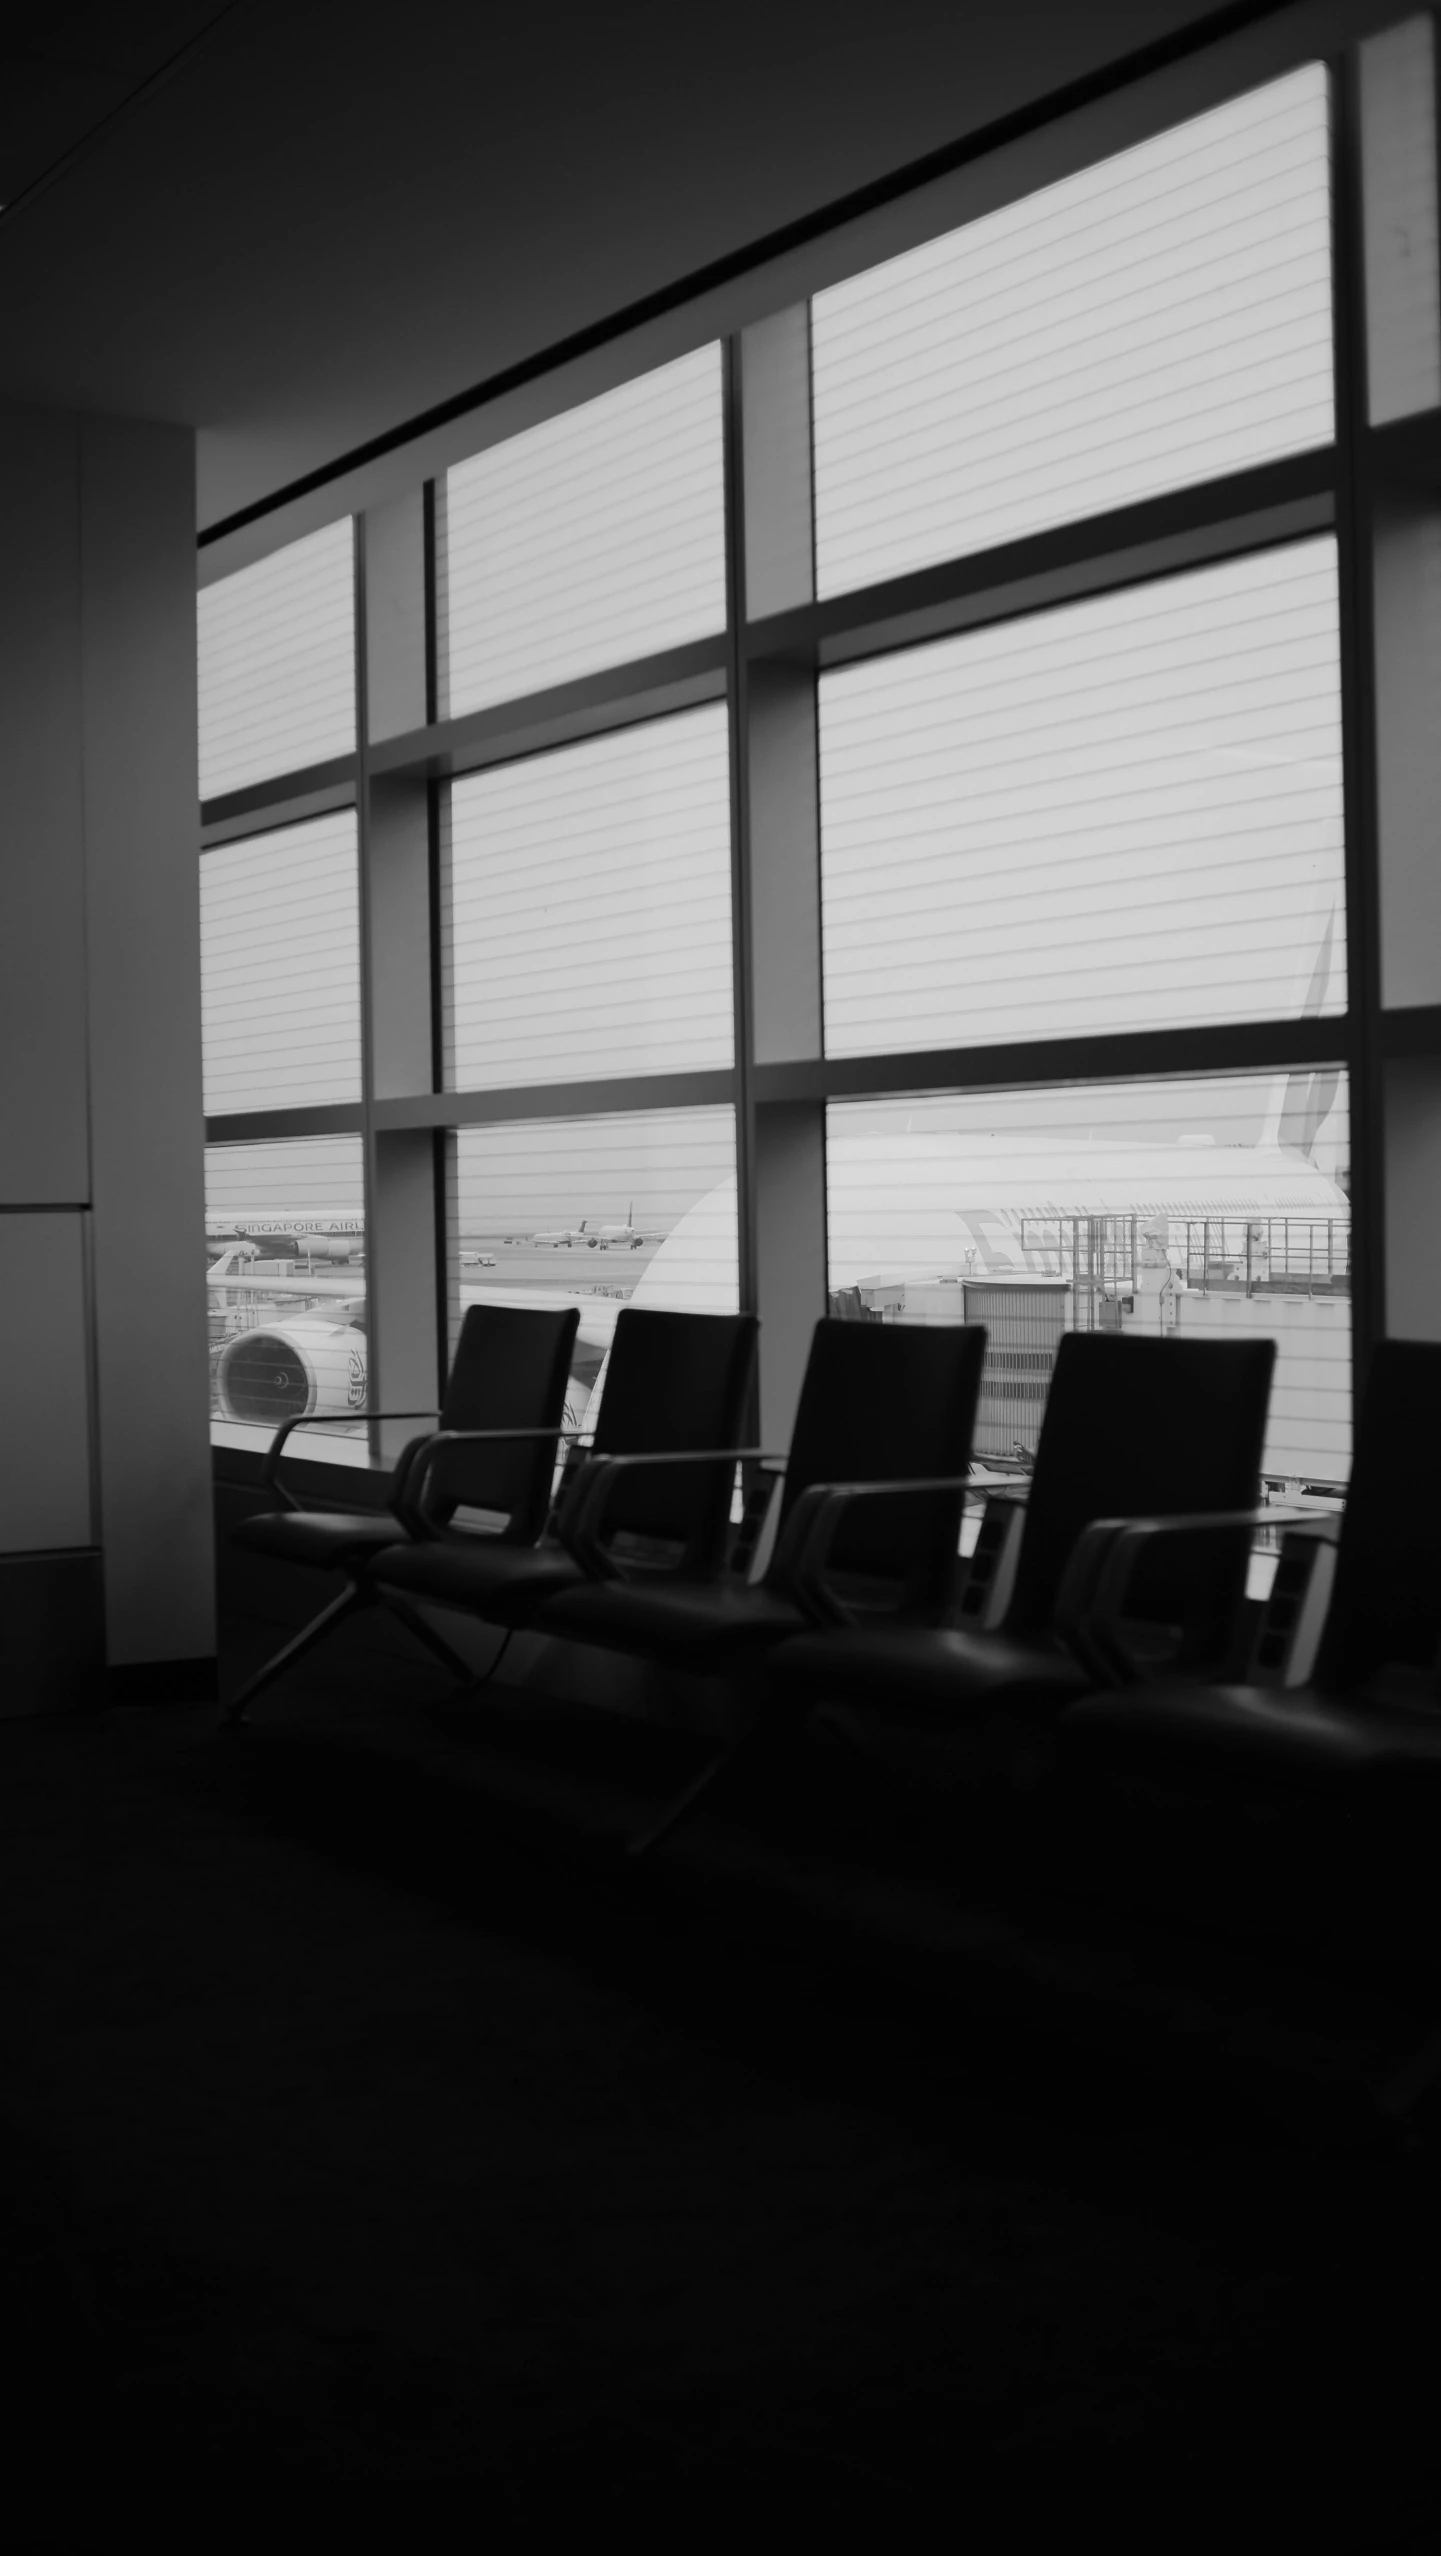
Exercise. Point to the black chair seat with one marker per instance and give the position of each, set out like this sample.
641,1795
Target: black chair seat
501,1581
1171,1423
932,1674
696,1624
501,1424
880,1405
1369,1710
672,1379
1299,1735
321,1536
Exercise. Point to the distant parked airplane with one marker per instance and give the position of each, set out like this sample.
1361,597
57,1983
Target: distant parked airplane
625,1233
565,1236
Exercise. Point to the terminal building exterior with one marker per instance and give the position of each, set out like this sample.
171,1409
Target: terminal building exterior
816,647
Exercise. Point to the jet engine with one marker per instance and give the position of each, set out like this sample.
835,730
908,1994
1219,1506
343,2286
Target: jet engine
293,1370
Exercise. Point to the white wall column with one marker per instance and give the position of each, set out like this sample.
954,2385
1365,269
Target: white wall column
106,1536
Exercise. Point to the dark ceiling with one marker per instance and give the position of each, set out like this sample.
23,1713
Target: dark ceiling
295,223
65,72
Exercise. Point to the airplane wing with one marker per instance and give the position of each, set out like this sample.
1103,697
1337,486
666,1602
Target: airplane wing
597,1313
245,1284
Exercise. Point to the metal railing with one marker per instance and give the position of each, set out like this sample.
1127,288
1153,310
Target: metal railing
1100,1256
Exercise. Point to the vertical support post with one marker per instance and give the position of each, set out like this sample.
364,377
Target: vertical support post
394,681
779,742
1413,1195
738,710
790,1253
1355,548
1393,102
1402,250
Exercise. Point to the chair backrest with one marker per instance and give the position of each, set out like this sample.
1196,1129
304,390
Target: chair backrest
887,1402
510,1370
1386,1597
675,1381
1138,1428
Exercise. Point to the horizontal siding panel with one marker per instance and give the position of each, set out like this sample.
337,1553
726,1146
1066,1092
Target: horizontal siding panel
587,910
1160,319
595,538
277,670
1122,814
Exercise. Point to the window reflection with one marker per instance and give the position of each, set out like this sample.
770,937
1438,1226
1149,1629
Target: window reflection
1122,814
280,967
1160,318
593,538
277,662
587,909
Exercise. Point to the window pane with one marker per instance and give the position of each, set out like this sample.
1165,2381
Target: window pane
277,674
285,1276
596,537
1162,318
599,1212
1120,815
1216,1208
280,967
588,909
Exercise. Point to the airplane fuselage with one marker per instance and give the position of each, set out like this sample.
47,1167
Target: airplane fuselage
276,1231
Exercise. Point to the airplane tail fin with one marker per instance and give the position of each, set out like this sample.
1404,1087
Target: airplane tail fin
1302,1100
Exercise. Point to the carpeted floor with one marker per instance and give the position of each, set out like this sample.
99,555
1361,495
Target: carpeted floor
378,2162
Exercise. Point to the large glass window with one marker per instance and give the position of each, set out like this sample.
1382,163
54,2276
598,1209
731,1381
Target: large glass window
285,1282
588,909
1120,815
600,1212
277,663
1207,1208
1161,318
280,967
594,538
1116,817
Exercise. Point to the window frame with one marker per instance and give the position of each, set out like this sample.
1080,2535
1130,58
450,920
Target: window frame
764,665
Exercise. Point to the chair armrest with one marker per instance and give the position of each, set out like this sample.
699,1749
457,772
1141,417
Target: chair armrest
582,1518
798,1566
270,1470
410,1491
995,1556
1091,1600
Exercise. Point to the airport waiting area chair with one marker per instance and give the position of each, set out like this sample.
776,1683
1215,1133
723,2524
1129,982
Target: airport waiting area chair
1162,1426
1348,1618
1297,1799
673,1383
501,1422
888,1405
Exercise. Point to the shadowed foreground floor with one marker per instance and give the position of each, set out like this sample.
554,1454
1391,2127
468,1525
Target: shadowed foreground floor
379,2161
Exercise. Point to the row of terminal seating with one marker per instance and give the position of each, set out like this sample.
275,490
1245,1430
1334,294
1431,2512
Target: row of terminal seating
1099,1623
